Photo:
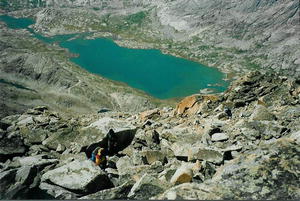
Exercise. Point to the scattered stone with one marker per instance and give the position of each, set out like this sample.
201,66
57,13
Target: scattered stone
25,120
182,175
119,192
193,104
41,108
103,110
33,136
60,148
152,155
261,113
58,192
149,114
206,154
216,137
107,123
4,125
296,136
222,115
35,161
16,182
146,187
123,164
268,172
188,191
11,146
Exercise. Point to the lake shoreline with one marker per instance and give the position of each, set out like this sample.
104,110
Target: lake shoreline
86,37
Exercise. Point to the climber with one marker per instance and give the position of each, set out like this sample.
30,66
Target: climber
101,159
228,112
94,153
155,137
111,141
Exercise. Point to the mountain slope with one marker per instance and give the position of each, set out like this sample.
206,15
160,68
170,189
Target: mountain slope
194,151
235,36
34,73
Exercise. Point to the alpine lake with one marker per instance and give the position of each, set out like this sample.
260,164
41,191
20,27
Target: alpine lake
160,75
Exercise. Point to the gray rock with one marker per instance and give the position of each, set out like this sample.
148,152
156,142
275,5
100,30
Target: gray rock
7,178
296,136
11,146
184,174
123,164
119,192
262,113
4,125
270,171
60,148
57,192
167,174
219,137
222,115
206,154
25,120
79,176
35,161
16,182
33,136
152,155
37,149
146,187
107,123
187,191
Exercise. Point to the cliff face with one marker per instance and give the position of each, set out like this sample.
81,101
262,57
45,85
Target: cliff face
233,35
243,144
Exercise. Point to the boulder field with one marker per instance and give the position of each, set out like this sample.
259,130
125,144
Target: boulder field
197,150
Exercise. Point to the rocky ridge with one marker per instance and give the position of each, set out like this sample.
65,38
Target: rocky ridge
197,150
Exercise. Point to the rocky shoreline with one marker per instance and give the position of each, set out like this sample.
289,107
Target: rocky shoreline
203,151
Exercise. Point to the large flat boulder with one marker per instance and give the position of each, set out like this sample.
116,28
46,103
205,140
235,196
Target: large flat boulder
82,177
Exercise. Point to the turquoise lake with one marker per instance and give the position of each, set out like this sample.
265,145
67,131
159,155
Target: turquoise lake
162,76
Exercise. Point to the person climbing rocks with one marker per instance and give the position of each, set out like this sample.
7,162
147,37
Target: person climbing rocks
112,142
228,112
155,137
94,153
101,159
